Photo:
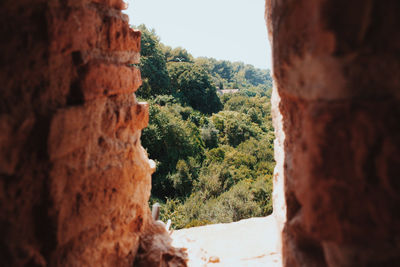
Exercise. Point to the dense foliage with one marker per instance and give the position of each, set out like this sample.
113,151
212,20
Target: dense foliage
214,154
152,66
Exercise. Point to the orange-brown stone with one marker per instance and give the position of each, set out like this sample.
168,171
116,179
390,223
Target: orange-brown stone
74,178
336,74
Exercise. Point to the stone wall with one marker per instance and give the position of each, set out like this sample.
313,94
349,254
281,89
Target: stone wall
336,68
74,179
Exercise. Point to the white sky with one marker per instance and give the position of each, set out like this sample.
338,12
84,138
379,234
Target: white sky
223,29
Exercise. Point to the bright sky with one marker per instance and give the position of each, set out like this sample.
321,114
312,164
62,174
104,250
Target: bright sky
223,29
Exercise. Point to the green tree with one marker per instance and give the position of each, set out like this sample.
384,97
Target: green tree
177,54
235,127
193,86
209,135
169,139
152,66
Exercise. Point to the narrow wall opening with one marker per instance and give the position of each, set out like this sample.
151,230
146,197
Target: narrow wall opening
176,211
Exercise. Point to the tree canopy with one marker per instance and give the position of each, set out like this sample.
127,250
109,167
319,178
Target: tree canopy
193,87
152,66
214,153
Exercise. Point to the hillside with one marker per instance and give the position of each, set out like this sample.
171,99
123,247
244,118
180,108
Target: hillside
214,153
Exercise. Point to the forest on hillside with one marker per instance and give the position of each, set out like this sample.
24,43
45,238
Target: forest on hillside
214,152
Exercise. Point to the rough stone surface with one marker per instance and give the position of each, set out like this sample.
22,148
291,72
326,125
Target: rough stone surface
336,69
74,179
156,250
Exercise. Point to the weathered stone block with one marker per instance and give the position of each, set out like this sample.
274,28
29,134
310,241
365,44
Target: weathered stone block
101,80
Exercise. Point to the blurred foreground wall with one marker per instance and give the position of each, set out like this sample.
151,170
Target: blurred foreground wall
337,115
74,179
